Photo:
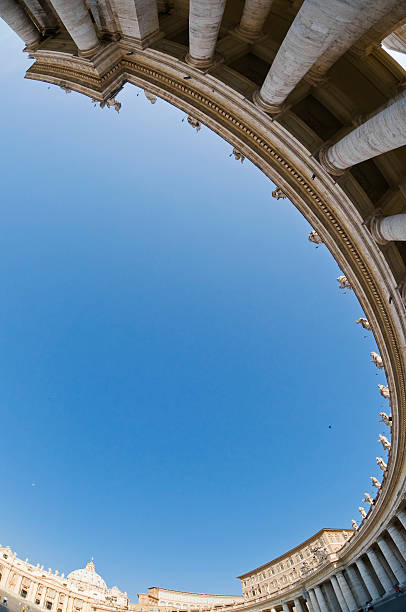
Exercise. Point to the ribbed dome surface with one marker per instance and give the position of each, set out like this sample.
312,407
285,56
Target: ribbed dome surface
87,578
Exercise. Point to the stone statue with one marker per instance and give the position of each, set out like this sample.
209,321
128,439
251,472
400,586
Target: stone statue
368,499
365,323
362,512
314,237
63,85
385,442
381,464
386,419
384,391
150,96
375,482
354,524
377,360
195,123
319,553
344,282
238,155
113,103
278,194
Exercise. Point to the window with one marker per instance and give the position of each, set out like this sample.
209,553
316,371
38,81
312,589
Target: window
37,601
48,605
60,609
23,593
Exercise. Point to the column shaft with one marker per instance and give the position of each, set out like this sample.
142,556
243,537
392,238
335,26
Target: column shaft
357,587
380,571
397,537
45,20
320,599
385,229
204,24
339,595
76,19
138,19
346,591
393,563
314,605
367,578
402,517
298,605
253,18
286,607
18,20
318,27
383,132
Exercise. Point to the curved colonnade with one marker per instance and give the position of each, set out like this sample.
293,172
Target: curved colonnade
304,90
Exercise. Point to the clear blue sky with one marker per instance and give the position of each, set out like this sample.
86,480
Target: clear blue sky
173,350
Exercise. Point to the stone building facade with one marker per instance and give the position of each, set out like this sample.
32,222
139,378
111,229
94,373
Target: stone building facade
293,565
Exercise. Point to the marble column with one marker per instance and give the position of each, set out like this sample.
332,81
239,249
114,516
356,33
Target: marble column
318,27
138,20
385,229
380,571
399,540
204,24
367,578
401,514
298,605
18,20
320,599
339,595
253,18
356,585
393,563
286,607
76,19
346,591
383,132
45,20
313,601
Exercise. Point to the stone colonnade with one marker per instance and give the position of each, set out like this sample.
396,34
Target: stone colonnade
18,20
372,577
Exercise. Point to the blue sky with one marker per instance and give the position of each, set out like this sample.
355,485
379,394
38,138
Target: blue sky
173,350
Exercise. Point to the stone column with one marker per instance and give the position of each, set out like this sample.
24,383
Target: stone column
367,578
357,587
385,229
380,571
76,19
402,517
393,563
18,20
286,607
320,599
204,24
339,595
45,20
346,591
138,20
318,27
399,540
383,132
253,18
313,601
298,605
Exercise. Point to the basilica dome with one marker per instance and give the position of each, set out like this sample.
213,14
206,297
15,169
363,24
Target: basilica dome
87,578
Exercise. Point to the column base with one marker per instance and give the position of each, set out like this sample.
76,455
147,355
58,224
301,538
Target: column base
202,64
327,165
271,109
374,226
247,36
88,53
